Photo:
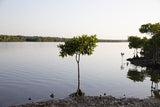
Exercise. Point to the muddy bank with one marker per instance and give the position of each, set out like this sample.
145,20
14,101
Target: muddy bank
96,101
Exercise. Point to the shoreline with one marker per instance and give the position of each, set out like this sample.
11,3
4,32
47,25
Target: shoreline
95,101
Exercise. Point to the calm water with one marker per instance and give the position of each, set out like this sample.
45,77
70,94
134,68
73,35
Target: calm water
35,70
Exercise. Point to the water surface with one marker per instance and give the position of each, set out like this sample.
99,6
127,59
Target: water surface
34,69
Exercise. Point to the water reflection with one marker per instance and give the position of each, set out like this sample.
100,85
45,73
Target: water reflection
122,64
35,70
154,75
139,74
135,75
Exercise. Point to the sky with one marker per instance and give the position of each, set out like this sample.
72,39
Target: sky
108,19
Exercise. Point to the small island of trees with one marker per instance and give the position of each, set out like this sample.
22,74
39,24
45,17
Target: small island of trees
150,48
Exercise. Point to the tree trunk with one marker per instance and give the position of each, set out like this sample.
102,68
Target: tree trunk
136,53
78,76
155,56
79,92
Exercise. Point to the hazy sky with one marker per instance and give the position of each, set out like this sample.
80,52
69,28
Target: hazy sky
109,19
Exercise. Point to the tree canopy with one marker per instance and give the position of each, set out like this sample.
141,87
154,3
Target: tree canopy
134,42
149,28
78,45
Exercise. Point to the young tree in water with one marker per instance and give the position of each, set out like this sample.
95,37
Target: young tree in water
82,45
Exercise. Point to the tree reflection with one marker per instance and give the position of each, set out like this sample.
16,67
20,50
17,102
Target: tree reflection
154,75
122,64
139,76
135,75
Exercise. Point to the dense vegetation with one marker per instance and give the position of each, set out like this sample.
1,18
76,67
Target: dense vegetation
150,48
8,38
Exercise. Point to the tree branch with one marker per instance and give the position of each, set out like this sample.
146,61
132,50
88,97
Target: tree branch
77,57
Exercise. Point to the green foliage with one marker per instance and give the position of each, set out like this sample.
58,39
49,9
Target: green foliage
135,42
158,41
82,45
154,31
147,45
78,45
149,28
6,38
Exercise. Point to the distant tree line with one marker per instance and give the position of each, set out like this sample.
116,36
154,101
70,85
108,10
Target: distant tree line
104,40
8,38
150,48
